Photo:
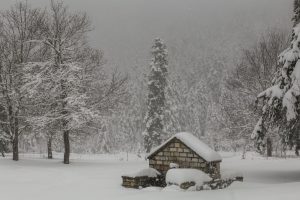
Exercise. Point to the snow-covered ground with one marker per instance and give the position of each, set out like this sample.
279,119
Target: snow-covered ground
98,177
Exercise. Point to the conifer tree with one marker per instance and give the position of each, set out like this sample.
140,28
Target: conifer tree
156,95
282,100
296,18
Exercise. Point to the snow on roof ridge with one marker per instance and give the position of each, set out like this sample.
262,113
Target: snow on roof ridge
199,147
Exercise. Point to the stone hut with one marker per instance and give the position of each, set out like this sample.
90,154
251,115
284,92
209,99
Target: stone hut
184,150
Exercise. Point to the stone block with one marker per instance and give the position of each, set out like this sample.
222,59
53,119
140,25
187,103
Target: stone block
188,159
172,158
186,150
167,154
190,155
167,149
181,159
185,165
173,149
177,145
167,163
202,165
183,154
194,164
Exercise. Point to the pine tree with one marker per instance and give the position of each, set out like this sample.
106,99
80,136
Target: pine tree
296,18
281,101
172,109
156,96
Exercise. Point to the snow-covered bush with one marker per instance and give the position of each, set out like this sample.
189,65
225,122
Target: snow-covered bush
182,176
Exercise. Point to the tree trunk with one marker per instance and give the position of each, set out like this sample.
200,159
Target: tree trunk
202,132
67,147
16,147
269,147
49,147
16,139
297,146
297,149
147,143
244,152
65,121
2,148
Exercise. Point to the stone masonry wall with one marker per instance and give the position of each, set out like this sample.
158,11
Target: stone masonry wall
176,152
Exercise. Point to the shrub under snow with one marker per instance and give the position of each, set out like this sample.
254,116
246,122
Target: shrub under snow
180,176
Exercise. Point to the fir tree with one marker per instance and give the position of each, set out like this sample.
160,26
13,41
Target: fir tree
282,100
156,96
296,18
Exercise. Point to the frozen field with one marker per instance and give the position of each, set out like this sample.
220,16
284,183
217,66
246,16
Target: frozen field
99,177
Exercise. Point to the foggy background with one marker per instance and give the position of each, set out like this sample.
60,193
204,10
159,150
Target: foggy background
125,29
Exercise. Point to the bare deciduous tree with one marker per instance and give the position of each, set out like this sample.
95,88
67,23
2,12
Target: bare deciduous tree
253,73
17,26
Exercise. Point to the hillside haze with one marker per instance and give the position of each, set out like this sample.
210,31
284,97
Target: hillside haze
125,29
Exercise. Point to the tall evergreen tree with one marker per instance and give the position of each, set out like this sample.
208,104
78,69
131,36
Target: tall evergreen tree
281,101
296,18
156,96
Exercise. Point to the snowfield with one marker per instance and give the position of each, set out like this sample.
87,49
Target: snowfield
91,177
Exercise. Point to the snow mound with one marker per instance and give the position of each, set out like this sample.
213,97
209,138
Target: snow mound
172,188
151,189
231,174
195,144
174,165
149,172
179,176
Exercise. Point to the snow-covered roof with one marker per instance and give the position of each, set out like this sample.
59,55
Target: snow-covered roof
194,144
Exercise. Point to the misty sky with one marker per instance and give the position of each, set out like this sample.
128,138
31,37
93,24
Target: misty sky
124,29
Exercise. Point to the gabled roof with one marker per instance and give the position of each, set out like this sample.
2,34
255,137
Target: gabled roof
194,144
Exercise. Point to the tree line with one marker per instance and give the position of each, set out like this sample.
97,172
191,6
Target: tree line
51,79
56,89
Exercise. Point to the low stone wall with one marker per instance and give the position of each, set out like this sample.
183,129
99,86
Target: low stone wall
136,182
142,181
177,152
